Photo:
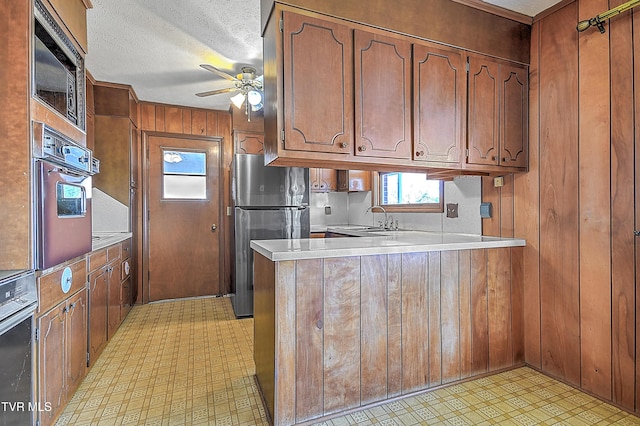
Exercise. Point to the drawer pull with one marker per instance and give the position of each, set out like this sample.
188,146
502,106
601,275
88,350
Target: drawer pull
66,280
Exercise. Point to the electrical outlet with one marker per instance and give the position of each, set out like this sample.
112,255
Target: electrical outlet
485,210
327,210
498,181
452,210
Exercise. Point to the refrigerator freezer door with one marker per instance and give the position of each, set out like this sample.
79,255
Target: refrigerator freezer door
275,224
256,185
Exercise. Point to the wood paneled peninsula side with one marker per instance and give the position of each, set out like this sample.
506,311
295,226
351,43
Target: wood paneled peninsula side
344,323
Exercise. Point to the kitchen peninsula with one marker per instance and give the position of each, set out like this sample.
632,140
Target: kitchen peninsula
342,323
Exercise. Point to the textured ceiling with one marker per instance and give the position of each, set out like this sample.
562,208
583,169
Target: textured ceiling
156,46
526,7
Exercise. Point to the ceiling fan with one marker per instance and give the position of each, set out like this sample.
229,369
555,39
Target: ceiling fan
248,86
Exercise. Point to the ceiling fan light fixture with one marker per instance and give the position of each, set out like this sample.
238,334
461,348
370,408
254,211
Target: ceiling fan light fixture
238,100
254,97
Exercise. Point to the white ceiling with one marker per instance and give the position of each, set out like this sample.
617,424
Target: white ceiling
156,46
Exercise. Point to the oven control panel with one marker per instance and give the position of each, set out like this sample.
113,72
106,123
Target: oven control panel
57,148
17,292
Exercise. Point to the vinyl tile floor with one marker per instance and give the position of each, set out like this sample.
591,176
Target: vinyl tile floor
190,362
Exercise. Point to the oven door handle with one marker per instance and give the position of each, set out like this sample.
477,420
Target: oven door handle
83,203
17,318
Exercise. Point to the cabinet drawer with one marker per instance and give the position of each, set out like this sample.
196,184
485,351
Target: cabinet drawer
113,252
125,269
126,248
97,259
52,286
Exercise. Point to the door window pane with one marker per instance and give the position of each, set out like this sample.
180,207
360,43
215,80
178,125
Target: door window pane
184,175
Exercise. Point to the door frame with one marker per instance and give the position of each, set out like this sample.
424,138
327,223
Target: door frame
144,213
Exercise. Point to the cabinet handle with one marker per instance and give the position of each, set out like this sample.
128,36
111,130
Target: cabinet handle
343,144
419,153
494,158
504,159
636,233
362,148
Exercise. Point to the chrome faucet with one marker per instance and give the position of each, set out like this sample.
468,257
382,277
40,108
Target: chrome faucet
386,220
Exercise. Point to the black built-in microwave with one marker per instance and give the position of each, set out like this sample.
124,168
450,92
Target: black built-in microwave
58,68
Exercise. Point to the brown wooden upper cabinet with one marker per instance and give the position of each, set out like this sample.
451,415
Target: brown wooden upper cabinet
354,180
323,180
318,93
498,112
382,96
344,95
116,140
249,142
440,95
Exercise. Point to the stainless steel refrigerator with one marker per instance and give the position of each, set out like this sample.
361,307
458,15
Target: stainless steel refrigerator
270,203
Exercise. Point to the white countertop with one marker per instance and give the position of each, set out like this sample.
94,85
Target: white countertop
385,242
101,240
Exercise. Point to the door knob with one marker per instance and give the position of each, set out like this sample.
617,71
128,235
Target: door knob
213,228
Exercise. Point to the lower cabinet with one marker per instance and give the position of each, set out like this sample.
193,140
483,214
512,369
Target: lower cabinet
98,288
81,305
113,298
109,294
61,338
126,295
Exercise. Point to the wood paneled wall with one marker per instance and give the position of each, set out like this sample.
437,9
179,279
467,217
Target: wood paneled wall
352,331
575,207
15,182
193,121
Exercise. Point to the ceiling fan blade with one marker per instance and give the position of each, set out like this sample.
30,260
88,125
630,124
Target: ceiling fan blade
217,92
217,71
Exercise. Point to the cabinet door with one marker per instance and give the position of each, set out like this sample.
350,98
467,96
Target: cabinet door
483,111
249,142
318,85
329,179
76,342
125,298
97,312
51,362
382,96
514,115
440,96
314,179
113,148
323,180
354,180
113,305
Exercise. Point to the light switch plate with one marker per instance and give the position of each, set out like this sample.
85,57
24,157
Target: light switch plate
327,210
498,181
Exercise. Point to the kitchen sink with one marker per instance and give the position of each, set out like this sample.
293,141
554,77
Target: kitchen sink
360,228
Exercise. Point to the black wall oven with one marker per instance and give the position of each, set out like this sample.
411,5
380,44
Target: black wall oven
18,301
62,176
